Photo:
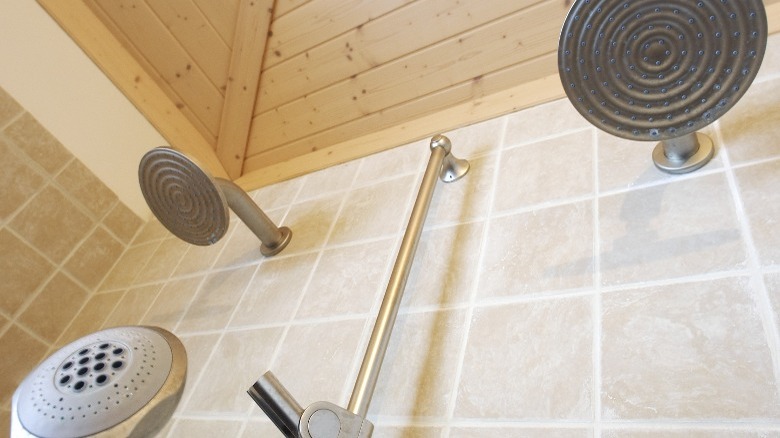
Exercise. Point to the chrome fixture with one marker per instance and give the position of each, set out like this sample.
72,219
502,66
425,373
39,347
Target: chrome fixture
193,205
324,419
661,70
123,381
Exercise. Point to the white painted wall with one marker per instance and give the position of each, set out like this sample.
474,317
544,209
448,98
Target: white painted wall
49,75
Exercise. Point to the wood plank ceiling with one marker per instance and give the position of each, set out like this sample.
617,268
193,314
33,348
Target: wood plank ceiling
264,90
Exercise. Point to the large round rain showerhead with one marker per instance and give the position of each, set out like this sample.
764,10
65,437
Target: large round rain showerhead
657,70
183,196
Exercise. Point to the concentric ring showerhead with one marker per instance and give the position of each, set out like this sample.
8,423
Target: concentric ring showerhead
657,70
183,196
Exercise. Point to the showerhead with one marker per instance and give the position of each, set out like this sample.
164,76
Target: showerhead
193,205
183,196
659,70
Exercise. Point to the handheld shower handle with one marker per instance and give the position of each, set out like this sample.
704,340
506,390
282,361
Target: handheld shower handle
277,403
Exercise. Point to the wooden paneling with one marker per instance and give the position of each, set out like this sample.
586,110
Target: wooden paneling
245,64
340,79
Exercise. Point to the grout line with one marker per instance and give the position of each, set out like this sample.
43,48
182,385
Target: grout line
596,299
759,294
469,313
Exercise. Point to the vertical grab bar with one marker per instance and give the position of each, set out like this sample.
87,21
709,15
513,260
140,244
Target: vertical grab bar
444,165
326,420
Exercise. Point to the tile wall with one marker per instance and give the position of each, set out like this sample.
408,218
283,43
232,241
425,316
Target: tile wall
564,288
61,231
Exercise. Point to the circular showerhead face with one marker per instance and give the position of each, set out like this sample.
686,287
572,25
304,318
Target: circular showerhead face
183,196
654,70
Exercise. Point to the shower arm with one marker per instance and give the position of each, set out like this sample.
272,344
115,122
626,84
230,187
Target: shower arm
274,238
324,419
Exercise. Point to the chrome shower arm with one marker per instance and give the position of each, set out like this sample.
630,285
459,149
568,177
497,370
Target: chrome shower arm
274,238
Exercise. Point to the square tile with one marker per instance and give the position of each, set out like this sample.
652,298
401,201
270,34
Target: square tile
315,360
122,222
382,431
32,138
274,292
416,379
673,230
206,428
391,163
94,258
19,355
133,306
445,267
518,432
770,66
164,261
91,317
240,358
216,299
130,263
310,222
327,181
686,351
77,180
54,308
758,188
347,280
52,223
172,302
373,212
478,139
24,270
199,259
198,348
531,361
677,433
751,128
552,170
539,122
18,179
243,245
277,195
539,251
464,200
152,230
9,108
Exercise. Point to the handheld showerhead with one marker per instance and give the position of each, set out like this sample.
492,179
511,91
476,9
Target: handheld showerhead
193,205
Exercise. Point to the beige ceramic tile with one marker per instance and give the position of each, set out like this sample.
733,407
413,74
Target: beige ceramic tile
172,302
23,270
94,258
478,139
770,66
347,280
263,428
445,266
310,222
91,317
373,211
542,121
198,348
518,432
772,283
243,246
5,419
529,361
463,200
206,428
275,291
198,259
382,431
544,250
239,360
38,143
19,355
217,297
758,186
551,170
164,261
122,222
52,223
9,108
751,128
54,308
389,164
686,351
128,266
315,360
330,180
277,195
77,180
673,230
133,306
420,366
18,180
682,433
152,230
